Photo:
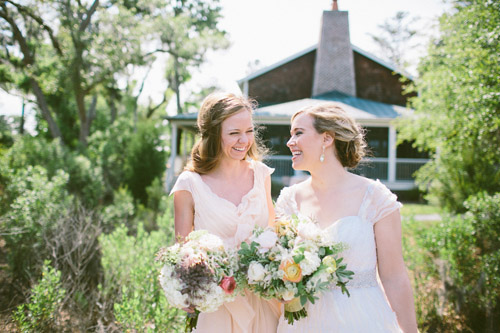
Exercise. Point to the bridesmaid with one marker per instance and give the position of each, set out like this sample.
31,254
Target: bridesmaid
226,190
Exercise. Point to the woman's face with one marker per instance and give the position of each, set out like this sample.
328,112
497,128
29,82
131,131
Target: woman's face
305,143
237,135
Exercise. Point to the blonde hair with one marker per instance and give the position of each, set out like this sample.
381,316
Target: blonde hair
349,136
216,108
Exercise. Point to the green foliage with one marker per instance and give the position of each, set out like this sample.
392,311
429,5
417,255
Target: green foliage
129,158
458,108
146,159
467,249
31,217
131,277
42,312
84,179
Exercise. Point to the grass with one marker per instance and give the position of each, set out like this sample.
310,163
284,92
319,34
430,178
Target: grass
410,210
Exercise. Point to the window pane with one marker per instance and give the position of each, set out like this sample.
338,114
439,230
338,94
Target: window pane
275,138
378,141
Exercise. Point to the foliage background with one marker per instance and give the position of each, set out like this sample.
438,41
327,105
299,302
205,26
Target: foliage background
82,206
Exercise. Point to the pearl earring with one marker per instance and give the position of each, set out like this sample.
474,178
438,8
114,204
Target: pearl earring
322,157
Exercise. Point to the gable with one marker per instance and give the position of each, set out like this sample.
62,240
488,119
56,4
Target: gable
292,79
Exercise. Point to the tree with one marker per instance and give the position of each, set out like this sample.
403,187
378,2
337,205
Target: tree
458,107
67,54
396,37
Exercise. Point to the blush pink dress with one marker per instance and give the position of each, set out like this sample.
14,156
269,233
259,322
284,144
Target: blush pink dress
234,224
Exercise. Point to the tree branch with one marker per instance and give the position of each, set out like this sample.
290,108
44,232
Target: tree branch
25,10
85,23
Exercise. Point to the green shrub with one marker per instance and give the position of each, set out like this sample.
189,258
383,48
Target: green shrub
39,201
42,313
131,277
84,179
467,248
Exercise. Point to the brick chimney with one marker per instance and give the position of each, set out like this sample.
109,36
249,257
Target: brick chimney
334,67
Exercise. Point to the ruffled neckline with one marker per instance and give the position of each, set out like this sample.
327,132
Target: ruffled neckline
244,199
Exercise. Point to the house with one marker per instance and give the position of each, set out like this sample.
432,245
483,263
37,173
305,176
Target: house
369,89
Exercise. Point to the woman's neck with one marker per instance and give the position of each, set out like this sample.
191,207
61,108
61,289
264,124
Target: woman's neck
328,176
229,169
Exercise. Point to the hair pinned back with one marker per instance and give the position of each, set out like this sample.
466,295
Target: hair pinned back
349,136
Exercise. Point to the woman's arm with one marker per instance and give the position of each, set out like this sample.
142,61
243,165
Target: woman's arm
392,271
183,213
270,206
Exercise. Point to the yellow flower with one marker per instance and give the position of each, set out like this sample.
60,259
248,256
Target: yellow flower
330,263
281,227
293,272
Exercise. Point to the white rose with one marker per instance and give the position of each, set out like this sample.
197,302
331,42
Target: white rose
288,295
267,239
256,272
309,231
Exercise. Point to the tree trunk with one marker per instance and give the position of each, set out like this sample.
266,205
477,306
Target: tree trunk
44,108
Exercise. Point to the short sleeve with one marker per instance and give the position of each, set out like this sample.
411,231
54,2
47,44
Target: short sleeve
263,169
285,205
183,183
381,203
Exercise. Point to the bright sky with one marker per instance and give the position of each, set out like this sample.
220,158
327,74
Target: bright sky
271,30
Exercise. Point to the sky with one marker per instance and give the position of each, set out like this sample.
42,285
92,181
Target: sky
271,30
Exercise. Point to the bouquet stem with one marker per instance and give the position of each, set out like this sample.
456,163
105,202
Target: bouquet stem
294,310
191,321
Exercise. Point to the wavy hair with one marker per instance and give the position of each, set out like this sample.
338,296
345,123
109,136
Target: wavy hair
216,108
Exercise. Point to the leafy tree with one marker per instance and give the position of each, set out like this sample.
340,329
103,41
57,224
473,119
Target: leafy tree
67,54
458,107
396,36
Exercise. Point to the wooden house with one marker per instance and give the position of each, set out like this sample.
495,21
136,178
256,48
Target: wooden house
369,89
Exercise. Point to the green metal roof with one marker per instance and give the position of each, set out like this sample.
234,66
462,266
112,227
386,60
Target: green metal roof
358,108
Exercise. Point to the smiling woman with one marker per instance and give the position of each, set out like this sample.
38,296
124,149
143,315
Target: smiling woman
226,190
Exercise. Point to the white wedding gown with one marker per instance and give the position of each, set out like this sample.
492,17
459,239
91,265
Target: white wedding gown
367,309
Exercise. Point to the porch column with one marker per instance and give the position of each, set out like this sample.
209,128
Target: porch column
392,155
171,161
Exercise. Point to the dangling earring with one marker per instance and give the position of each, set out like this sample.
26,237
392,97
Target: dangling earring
322,157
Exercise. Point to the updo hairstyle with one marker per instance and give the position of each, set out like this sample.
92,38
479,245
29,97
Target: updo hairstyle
349,137
216,108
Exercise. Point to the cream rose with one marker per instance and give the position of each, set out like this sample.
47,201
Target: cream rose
256,272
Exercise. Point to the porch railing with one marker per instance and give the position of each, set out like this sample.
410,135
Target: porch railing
374,168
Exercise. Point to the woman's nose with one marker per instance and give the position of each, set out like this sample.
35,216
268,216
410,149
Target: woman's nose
290,142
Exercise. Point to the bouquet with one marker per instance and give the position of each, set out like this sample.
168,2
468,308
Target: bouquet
198,274
294,262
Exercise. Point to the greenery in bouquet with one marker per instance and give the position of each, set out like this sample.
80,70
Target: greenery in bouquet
292,262
198,274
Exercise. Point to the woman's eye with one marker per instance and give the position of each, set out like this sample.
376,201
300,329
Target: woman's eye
250,131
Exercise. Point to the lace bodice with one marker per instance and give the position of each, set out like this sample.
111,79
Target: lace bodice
233,223
355,231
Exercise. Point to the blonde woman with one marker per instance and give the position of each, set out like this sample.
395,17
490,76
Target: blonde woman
226,190
357,211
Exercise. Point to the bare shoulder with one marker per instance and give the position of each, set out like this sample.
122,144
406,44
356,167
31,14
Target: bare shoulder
359,183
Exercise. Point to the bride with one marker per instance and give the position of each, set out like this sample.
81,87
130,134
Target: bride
357,211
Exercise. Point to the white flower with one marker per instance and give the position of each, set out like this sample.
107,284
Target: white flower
310,263
309,231
266,240
288,295
210,242
256,272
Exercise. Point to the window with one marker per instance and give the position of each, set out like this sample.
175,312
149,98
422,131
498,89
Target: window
377,139
275,138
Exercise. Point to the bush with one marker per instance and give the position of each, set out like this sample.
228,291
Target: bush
84,179
467,249
131,277
42,313
38,203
